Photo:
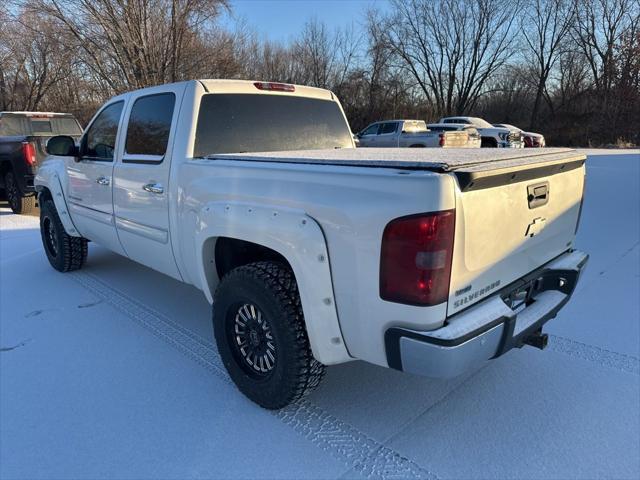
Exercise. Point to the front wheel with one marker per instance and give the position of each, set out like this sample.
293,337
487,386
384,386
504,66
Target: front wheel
19,204
261,335
65,253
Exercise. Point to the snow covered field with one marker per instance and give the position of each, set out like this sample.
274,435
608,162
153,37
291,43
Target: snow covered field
110,372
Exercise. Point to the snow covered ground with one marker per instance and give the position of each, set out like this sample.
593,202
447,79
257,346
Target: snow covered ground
110,372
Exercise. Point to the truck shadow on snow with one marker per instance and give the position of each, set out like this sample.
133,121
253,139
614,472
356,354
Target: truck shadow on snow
346,388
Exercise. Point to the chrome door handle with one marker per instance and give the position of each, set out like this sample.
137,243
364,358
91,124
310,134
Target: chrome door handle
153,188
102,181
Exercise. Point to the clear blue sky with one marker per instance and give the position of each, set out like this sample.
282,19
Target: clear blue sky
280,20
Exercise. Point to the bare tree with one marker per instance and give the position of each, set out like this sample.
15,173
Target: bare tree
599,26
544,30
34,59
134,43
451,47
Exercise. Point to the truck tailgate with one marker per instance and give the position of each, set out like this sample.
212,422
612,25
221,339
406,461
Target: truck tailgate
456,139
511,220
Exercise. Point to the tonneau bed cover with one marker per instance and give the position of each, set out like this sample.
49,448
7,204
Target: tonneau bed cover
443,160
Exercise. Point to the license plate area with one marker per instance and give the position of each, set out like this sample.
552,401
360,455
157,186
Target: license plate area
521,298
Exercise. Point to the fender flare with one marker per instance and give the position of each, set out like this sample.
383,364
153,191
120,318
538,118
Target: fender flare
49,177
300,240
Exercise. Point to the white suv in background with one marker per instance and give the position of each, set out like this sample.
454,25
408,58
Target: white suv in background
531,139
492,136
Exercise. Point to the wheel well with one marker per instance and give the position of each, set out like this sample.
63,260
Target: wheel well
489,141
43,194
4,168
231,253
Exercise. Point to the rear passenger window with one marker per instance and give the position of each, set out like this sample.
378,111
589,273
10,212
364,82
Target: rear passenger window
150,124
388,128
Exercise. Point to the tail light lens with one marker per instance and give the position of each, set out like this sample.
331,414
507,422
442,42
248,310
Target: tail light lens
415,264
441,141
584,191
29,153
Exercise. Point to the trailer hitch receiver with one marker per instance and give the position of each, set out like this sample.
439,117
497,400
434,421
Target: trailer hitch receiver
537,339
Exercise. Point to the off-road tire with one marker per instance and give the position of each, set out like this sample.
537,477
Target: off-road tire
65,253
272,288
20,204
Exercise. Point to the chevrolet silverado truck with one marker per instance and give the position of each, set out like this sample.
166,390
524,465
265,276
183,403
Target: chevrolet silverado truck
491,136
23,136
313,252
412,134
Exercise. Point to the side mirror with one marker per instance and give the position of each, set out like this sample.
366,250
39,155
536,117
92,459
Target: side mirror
62,145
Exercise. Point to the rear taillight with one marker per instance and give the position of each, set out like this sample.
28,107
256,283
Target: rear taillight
441,141
584,190
29,153
276,87
415,263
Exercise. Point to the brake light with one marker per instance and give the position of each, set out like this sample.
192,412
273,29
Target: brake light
29,153
441,142
275,87
584,191
415,263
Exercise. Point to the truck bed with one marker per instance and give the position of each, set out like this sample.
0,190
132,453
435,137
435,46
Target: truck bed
473,161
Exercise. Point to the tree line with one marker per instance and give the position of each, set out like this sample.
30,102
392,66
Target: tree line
569,69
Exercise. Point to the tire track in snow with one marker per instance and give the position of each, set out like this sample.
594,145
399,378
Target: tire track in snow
358,451
601,356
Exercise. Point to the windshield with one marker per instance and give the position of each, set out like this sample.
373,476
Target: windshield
414,126
478,122
506,125
238,123
38,125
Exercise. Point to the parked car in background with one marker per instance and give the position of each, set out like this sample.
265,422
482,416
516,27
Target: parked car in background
409,133
492,137
475,141
23,138
317,253
531,139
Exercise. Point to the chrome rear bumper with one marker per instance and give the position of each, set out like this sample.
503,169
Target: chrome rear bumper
490,328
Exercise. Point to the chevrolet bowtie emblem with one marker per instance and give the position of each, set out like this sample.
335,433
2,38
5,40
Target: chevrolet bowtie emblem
535,227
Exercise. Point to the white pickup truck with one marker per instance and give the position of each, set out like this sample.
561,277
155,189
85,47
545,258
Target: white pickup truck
492,136
411,134
315,253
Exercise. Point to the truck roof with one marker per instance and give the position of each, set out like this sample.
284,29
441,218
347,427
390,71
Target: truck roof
450,125
249,86
216,85
38,114
437,159
399,120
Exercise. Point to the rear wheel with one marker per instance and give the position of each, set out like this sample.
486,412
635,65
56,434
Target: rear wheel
19,204
65,253
261,335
